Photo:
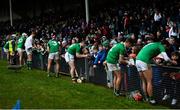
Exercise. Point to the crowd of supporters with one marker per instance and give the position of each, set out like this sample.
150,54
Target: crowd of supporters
142,23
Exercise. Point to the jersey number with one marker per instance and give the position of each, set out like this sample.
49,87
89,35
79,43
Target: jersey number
54,43
20,41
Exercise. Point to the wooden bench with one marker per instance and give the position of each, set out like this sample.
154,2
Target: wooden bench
14,67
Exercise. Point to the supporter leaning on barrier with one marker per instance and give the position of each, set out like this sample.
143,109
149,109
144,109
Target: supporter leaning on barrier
53,49
20,48
143,61
114,57
101,56
28,48
74,50
171,81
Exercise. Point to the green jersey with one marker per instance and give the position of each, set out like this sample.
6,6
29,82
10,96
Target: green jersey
21,42
53,46
149,51
115,52
74,48
6,46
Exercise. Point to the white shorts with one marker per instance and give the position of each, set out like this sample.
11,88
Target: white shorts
20,50
29,51
69,57
5,50
141,66
113,67
54,56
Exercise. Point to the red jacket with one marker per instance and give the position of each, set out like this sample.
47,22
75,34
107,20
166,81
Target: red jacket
177,76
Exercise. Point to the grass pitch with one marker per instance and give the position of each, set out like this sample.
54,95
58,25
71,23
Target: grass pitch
35,90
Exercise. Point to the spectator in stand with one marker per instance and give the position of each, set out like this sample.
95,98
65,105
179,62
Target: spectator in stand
173,45
101,56
173,32
133,54
140,43
126,23
157,19
113,41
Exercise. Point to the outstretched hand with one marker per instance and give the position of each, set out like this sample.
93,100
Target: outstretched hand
104,63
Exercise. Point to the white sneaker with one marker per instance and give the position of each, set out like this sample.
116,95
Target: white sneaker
165,97
174,102
109,85
152,101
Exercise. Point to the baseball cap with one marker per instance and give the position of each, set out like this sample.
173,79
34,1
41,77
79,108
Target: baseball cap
105,43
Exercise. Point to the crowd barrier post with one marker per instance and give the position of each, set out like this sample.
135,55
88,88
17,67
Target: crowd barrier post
124,80
86,69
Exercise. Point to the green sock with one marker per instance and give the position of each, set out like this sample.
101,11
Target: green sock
27,64
30,64
151,97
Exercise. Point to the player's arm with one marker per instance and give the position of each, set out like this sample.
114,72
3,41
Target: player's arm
122,60
165,56
48,49
78,55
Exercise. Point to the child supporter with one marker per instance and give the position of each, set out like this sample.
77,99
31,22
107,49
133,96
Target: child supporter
171,81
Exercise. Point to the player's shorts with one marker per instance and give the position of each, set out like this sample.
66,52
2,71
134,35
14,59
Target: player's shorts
20,50
5,50
141,66
29,51
54,56
69,57
113,67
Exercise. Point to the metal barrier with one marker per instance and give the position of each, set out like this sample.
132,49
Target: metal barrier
158,77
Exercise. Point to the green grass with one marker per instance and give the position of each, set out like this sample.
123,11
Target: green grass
35,90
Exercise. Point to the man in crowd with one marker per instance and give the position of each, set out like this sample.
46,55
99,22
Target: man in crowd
114,57
28,49
143,60
20,48
53,49
12,46
74,50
